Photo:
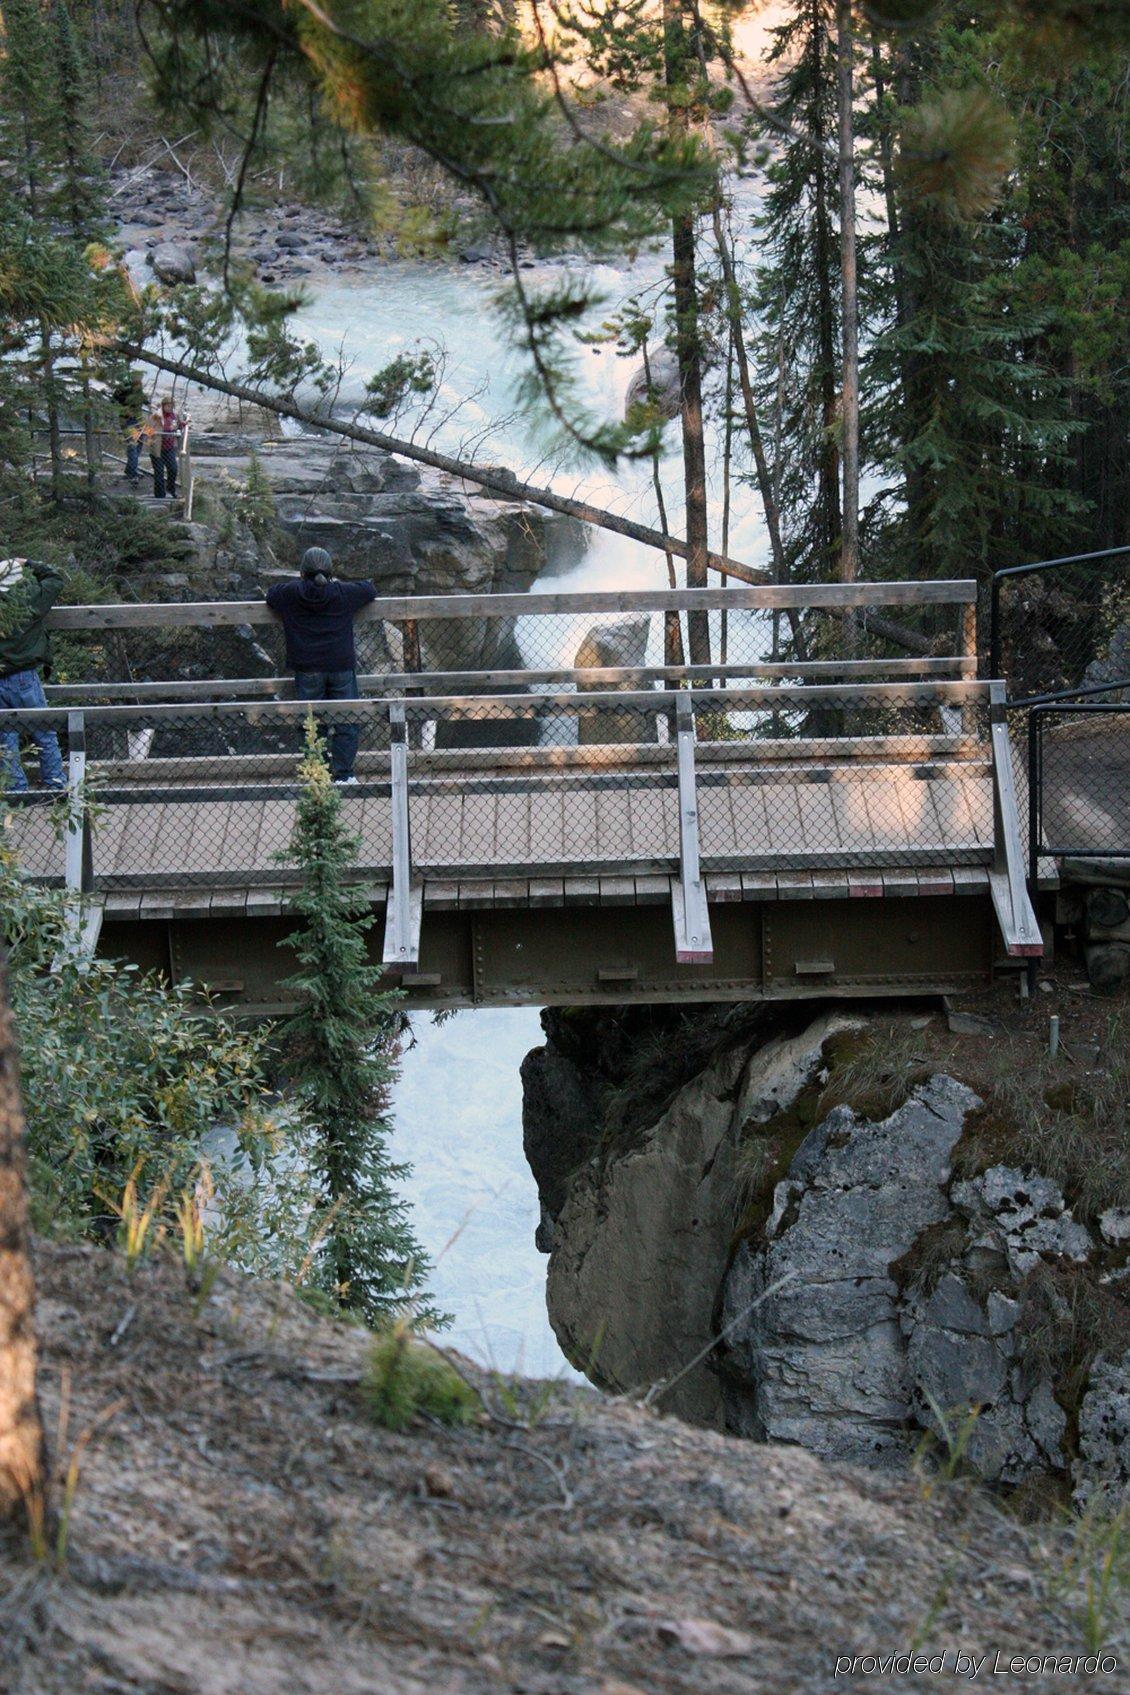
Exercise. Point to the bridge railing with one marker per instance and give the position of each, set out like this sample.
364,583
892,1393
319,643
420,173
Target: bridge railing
549,784
443,644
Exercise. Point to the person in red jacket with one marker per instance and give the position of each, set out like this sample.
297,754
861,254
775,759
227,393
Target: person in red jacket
317,613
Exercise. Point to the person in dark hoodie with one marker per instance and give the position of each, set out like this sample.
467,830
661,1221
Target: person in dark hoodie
27,593
317,613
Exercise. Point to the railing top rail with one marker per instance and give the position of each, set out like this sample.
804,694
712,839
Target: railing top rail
967,692
1064,559
406,608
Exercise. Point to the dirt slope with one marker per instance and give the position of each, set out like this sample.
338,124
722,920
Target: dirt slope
241,1529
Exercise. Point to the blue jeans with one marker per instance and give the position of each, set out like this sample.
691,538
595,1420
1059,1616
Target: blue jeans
344,740
133,460
24,689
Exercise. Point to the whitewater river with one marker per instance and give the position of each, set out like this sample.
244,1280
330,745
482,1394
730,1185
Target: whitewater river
458,1106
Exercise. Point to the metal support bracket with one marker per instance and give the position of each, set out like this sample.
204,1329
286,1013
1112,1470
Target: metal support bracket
405,909
1011,903
693,942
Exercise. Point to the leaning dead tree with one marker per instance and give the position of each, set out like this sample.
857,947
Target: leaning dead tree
23,1461
497,481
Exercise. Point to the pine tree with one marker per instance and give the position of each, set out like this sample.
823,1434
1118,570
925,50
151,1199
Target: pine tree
340,1049
797,289
961,405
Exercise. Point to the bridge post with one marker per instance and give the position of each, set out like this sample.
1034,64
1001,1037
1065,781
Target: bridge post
82,929
405,907
693,943
1011,902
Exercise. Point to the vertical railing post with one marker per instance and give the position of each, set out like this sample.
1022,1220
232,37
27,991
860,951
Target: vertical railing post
1035,776
693,943
404,910
76,875
186,475
81,925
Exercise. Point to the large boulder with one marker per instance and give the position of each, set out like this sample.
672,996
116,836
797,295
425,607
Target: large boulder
173,263
663,392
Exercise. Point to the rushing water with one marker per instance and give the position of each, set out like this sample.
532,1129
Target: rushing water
458,1102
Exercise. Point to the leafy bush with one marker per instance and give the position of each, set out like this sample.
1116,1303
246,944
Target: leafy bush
405,1378
125,1081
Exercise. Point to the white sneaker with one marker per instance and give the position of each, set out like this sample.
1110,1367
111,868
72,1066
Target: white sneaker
344,782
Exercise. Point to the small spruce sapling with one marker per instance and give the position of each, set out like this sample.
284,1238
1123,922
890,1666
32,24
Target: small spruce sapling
340,1048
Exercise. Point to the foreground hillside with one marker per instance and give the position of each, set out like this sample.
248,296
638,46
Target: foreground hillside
242,1528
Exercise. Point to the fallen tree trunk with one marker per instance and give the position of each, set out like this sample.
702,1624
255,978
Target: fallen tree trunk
496,481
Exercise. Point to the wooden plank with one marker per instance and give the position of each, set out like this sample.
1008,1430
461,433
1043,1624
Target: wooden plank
818,816
935,881
759,885
652,889
795,885
722,886
900,883
441,894
456,708
617,891
830,885
547,891
228,903
396,609
582,891
511,892
511,829
865,885
119,905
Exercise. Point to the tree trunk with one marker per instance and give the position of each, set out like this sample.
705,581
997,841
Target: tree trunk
23,1457
688,352
830,528
849,543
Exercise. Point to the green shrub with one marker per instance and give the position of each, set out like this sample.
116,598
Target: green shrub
405,1378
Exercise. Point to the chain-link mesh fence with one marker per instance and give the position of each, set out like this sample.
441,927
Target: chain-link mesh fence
544,783
1061,625
1079,776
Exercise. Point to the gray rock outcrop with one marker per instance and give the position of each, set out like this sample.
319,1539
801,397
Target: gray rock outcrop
858,1293
645,1237
1102,1467
812,1317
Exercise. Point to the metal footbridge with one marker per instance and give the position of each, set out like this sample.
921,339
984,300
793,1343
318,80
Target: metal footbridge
681,795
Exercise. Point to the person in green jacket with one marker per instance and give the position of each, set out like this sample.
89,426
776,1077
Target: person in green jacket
27,593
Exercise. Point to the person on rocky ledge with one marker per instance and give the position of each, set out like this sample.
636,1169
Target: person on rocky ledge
317,612
163,430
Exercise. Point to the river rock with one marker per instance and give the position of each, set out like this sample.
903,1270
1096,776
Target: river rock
664,391
173,263
623,643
